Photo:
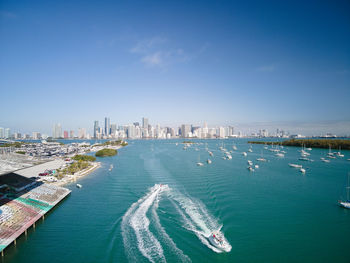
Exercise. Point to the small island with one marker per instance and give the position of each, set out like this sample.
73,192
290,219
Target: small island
106,152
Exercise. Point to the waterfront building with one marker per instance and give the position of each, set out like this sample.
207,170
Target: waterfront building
71,134
145,123
107,126
82,133
65,135
57,131
2,133
113,130
96,129
7,133
36,135
186,130
221,132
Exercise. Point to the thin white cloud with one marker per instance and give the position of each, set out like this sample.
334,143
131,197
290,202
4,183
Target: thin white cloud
266,68
159,52
155,59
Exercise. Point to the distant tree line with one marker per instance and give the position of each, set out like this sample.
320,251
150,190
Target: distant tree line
313,143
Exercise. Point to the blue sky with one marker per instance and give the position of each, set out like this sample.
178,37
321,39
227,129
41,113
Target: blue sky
224,62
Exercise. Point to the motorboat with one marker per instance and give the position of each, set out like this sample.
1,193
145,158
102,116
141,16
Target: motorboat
79,186
251,169
208,161
256,166
250,162
261,159
295,165
302,170
346,204
218,240
281,155
200,164
244,153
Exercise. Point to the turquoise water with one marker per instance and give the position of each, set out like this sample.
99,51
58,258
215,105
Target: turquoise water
274,214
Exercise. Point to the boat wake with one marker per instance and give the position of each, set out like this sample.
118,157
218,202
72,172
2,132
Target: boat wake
136,224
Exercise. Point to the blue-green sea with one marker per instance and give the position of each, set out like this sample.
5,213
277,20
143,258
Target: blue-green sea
274,214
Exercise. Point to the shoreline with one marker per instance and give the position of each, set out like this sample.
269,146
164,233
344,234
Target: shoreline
72,178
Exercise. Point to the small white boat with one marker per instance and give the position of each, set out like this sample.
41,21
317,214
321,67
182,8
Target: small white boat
304,159
256,166
234,147
295,165
210,153
325,160
79,186
208,161
349,159
261,160
244,153
346,204
111,167
218,240
200,164
302,170
251,169
281,155
250,162
228,156
308,149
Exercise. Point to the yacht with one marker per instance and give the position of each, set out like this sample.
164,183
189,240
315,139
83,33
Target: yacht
295,165
256,166
234,147
346,204
244,153
79,186
302,170
200,164
251,169
209,161
261,159
325,160
279,155
217,239
250,162
228,156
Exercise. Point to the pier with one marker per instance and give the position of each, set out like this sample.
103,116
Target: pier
23,202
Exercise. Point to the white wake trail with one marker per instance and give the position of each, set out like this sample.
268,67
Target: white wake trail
196,218
136,217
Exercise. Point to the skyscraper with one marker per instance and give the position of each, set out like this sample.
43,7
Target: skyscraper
57,131
96,129
2,133
145,123
185,130
7,133
107,126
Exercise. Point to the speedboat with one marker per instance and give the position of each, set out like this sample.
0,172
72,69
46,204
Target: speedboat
218,240
250,162
79,186
209,161
200,164
302,170
244,153
295,165
256,166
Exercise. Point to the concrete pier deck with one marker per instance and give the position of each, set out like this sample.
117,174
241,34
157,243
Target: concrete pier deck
22,203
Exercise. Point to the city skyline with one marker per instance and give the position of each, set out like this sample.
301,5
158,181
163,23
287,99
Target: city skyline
226,63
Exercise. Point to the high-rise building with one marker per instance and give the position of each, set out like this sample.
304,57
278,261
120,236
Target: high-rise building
2,133
57,131
36,135
145,123
113,129
186,130
7,133
96,129
107,126
65,134
82,133
71,134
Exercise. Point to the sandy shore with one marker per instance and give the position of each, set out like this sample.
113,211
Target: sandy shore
72,178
